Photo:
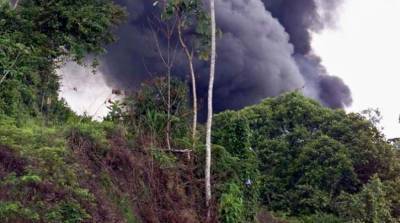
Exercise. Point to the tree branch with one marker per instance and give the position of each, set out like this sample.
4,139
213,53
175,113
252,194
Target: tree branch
8,71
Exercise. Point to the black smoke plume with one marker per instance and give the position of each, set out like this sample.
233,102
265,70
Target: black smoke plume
264,51
300,18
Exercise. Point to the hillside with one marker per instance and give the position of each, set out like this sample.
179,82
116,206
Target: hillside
303,161
88,173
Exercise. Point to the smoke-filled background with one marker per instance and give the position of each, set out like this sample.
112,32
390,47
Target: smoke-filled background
265,50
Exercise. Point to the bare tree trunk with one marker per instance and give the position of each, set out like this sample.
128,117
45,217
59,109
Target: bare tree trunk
169,97
189,56
210,108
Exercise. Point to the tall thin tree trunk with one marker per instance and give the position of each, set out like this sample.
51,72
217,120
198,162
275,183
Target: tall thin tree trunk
210,108
169,113
169,98
189,56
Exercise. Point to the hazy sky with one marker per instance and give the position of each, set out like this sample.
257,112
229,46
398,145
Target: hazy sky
364,50
84,91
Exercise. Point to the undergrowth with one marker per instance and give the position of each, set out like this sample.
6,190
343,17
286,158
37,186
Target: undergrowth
46,185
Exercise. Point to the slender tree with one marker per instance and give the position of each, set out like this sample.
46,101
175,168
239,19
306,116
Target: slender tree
189,55
210,108
190,15
166,28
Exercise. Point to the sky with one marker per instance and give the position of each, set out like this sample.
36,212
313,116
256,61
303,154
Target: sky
363,49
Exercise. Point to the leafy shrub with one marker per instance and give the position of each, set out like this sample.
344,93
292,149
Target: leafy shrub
146,111
127,211
11,211
93,132
305,155
370,205
233,133
231,207
48,167
164,159
321,218
68,212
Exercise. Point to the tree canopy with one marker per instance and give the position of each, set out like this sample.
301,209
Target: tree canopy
307,155
39,36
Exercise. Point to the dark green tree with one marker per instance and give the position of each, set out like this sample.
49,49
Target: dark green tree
307,154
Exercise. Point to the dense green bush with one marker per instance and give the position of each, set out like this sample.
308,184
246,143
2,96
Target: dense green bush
12,211
35,40
233,133
237,158
320,218
306,155
68,212
231,205
371,205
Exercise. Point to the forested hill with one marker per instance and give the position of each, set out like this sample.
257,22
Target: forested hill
287,159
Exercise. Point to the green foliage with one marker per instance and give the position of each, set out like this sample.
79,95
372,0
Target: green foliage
44,167
237,159
233,133
231,208
30,178
69,212
145,112
314,218
36,39
164,159
94,132
71,29
116,112
310,162
325,218
305,155
11,211
304,181
392,191
371,205
191,16
127,211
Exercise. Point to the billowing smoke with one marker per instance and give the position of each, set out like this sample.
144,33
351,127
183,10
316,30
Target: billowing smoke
330,90
264,50
300,18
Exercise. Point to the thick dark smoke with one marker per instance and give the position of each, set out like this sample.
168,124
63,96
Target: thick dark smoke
259,54
330,90
300,18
